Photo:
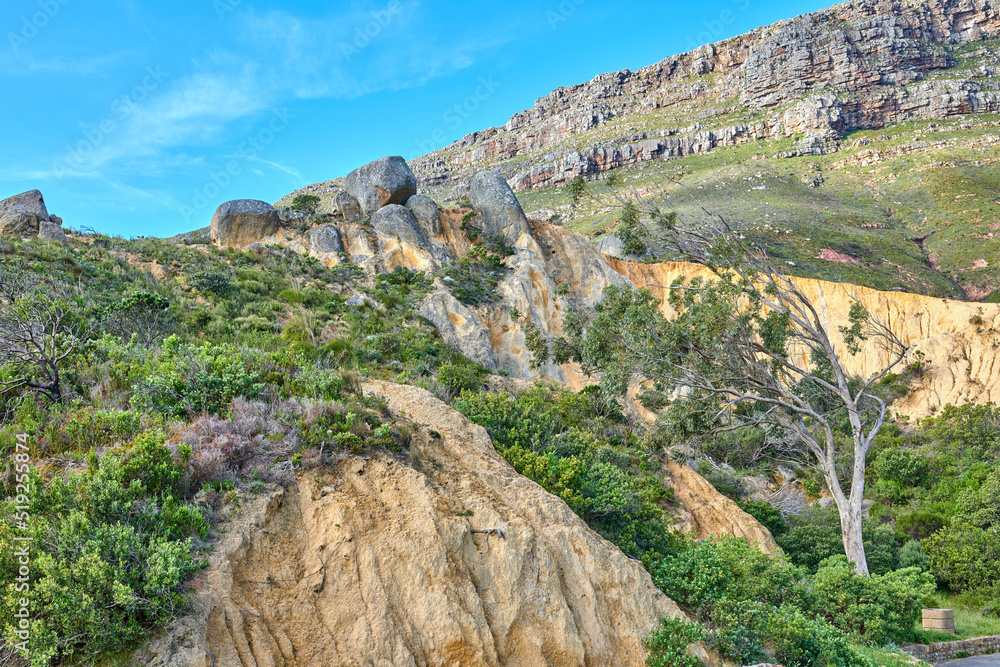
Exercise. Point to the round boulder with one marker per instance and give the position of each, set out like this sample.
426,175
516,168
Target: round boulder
394,221
425,210
238,223
501,213
385,181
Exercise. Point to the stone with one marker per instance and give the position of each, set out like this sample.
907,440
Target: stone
348,206
498,208
713,514
18,222
403,242
359,301
425,210
325,239
55,220
240,222
48,231
30,202
459,326
397,221
385,181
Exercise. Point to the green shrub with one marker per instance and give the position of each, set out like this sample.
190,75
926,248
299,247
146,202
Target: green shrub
668,643
461,377
965,558
876,609
305,203
474,278
767,514
110,549
186,379
815,535
213,282
912,555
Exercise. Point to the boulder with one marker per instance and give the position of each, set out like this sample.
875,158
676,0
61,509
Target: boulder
30,202
240,222
385,181
48,231
460,328
56,220
397,221
348,206
425,210
499,209
325,239
18,222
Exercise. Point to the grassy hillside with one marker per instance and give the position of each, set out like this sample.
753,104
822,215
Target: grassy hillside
913,208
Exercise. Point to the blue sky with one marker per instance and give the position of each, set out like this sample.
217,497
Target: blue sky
140,118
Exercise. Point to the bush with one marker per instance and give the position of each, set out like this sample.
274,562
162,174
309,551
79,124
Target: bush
208,281
111,548
668,643
766,514
305,203
965,558
461,377
815,535
474,278
186,379
876,609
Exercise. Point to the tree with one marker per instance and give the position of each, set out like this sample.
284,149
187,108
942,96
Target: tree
746,347
143,314
39,330
576,188
304,203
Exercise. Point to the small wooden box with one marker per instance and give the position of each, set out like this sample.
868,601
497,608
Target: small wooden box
942,620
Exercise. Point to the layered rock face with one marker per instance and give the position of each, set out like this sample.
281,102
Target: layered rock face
859,65
375,564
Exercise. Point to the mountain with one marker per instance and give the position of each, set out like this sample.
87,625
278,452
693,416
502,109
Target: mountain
857,143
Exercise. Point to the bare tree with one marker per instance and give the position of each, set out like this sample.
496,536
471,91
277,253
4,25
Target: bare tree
39,330
749,345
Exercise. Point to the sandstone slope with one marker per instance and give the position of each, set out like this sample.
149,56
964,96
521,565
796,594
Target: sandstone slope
462,562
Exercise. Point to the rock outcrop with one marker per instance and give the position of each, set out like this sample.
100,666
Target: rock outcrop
863,64
500,212
25,215
711,514
385,181
380,563
238,223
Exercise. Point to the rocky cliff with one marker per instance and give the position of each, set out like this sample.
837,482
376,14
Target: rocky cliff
859,65
459,561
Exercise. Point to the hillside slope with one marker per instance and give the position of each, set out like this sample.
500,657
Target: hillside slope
460,562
